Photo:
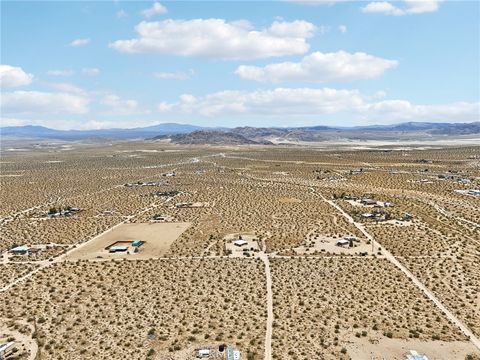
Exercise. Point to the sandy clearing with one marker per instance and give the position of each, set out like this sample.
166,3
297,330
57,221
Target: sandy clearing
328,244
157,236
378,347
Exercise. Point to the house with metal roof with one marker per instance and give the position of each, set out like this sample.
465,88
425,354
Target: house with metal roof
23,249
413,355
113,249
240,242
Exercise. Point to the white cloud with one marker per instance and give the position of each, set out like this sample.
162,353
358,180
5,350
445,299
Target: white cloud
68,88
342,28
320,67
121,14
308,103
217,38
156,8
91,71
35,102
117,106
80,42
317,2
411,7
295,29
12,76
279,101
66,72
402,110
382,7
176,75
421,6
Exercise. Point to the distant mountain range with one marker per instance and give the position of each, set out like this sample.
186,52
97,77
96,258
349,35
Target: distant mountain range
191,134
141,132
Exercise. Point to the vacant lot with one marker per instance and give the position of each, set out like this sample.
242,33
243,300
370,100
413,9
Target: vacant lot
126,309
320,303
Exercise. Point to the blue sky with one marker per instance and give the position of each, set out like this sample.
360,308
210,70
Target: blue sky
277,63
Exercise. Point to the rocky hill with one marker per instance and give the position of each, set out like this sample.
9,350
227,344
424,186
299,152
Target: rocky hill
202,137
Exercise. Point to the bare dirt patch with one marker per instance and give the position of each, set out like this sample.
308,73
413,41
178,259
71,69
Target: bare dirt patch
367,348
329,245
157,238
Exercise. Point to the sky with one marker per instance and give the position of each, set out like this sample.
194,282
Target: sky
118,64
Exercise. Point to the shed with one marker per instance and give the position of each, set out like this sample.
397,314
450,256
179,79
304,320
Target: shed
136,243
203,353
240,242
232,353
118,248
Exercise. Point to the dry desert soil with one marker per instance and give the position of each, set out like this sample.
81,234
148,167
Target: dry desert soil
407,276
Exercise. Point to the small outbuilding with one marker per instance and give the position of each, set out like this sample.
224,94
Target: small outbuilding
203,353
232,353
136,243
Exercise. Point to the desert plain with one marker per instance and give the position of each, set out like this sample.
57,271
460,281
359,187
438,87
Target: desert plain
281,252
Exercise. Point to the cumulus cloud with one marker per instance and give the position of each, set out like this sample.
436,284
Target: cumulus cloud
342,28
310,103
279,101
176,75
117,106
80,42
156,8
68,88
66,72
12,76
410,7
320,67
217,38
35,102
91,71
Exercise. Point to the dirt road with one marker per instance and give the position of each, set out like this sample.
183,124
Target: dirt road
268,334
